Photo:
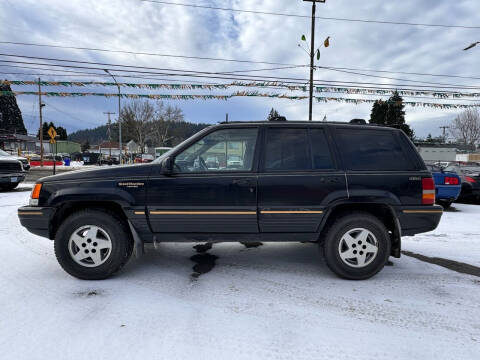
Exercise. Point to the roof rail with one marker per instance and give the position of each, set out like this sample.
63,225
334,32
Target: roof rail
278,118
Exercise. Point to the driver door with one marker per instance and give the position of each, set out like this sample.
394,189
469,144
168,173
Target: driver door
213,188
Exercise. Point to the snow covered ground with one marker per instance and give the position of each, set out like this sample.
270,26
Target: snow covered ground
277,301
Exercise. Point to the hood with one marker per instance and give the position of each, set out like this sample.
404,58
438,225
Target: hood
8,159
104,173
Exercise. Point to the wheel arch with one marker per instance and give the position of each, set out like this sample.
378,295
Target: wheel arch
385,213
68,208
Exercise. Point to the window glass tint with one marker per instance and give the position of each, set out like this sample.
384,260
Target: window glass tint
321,156
371,150
287,149
222,150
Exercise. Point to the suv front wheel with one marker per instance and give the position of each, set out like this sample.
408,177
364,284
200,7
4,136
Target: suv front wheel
357,246
93,244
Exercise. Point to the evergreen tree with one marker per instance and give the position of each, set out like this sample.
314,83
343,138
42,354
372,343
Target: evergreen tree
61,131
273,114
85,146
391,113
379,113
10,115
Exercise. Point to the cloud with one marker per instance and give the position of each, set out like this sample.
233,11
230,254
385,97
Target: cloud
142,26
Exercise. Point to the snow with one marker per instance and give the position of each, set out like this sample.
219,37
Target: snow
277,301
456,238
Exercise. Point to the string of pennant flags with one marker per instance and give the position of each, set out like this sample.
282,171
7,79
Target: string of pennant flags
318,89
323,99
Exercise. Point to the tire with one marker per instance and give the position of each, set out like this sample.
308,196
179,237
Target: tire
375,238
78,228
444,204
9,187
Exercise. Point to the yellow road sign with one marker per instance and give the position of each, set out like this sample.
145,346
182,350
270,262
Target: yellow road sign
52,133
53,141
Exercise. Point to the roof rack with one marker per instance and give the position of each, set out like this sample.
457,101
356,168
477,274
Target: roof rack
278,118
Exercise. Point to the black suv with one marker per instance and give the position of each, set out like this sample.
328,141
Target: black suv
354,189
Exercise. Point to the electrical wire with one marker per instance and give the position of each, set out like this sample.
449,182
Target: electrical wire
308,16
184,73
147,53
240,61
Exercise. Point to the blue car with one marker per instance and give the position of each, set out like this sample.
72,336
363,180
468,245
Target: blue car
448,186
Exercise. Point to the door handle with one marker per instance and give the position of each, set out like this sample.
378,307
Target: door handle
242,182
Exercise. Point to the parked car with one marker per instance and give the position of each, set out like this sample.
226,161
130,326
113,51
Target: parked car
470,175
23,160
447,186
144,158
11,173
354,189
234,161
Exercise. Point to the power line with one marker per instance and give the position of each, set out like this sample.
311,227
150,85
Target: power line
240,61
188,73
116,65
307,16
382,77
147,53
401,72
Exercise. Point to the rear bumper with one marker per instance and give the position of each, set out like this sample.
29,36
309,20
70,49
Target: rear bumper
36,219
448,192
418,219
7,178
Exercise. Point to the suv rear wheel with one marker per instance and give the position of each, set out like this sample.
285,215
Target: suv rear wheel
93,244
357,246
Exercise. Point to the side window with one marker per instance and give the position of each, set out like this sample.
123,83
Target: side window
287,149
321,155
222,150
365,149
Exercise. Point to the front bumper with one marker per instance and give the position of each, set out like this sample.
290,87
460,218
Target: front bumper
36,219
418,219
7,178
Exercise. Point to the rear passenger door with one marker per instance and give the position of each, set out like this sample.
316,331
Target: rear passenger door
380,165
299,177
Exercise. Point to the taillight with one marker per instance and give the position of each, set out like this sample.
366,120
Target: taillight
428,191
451,180
470,179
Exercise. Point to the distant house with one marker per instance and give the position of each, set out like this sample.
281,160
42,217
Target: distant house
15,142
132,147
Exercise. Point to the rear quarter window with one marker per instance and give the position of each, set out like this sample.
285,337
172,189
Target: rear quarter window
370,149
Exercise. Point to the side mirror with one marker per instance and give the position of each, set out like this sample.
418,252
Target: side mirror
167,166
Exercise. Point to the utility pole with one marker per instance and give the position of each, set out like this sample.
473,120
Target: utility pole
226,117
119,119
110,133
312,55
40,106
444,134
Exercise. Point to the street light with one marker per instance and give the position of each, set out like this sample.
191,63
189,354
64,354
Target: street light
472,45
119,119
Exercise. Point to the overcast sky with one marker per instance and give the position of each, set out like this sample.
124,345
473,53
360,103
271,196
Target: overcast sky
139,26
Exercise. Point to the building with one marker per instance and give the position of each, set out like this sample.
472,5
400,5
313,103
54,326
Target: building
17,143
468,157
63,147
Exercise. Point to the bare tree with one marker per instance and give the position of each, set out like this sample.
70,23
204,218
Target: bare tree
466,127
137,116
